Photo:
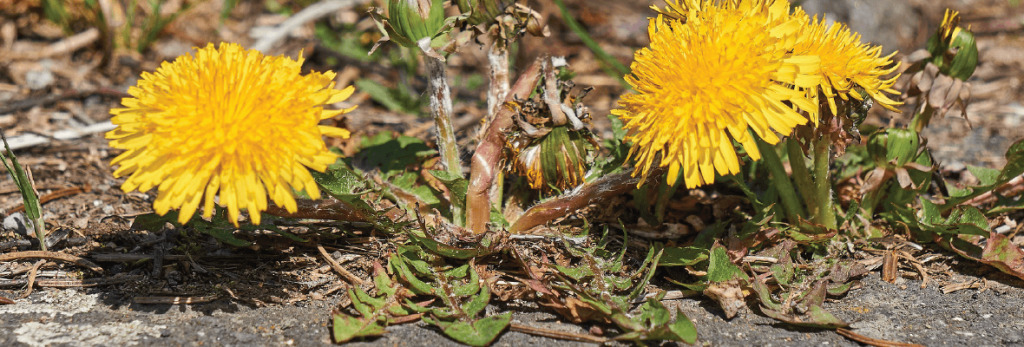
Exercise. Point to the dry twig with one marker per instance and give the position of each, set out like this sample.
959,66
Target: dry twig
52,256
32,278
67,45
313,12
872,341
555,334
174,300
338,268
72,283
54,196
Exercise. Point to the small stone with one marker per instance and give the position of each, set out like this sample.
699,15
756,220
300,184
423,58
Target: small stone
17,222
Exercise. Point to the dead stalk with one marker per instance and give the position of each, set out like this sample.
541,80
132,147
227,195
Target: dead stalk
497,58
51,256
484,166
589,193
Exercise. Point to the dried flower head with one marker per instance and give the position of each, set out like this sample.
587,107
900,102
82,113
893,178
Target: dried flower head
551,145
724,74
227,123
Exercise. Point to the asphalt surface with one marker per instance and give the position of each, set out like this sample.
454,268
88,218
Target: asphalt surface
903,312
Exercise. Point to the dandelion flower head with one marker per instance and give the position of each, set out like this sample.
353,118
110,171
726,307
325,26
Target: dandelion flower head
723,74
847,64
228,124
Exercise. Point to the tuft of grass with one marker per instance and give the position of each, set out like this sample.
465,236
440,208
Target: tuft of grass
28,193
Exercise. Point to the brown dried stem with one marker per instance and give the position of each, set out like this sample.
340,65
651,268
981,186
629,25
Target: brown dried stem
587,194
484,166
51,256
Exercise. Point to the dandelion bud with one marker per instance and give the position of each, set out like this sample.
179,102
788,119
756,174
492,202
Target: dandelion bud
953,48
410,21
893,147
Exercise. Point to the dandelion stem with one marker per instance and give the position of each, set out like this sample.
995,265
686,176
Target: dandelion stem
826,214
441,110
790,202
802,177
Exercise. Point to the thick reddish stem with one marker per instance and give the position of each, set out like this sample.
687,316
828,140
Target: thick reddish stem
484,166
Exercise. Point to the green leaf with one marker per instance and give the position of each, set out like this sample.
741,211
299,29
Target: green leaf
340,181
153,222
654,254
455,252
480,332
902,146
783,273
478,302
416,285
683,328
347,328
986,176
28,194
1014,167
394,99
222,234
764,294
576,273
969,215
816,317
721,269
457,186
409,183
392,155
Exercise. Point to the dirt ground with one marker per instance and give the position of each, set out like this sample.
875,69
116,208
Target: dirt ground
281,293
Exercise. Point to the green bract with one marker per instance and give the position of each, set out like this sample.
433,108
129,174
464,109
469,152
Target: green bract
410,21
893,147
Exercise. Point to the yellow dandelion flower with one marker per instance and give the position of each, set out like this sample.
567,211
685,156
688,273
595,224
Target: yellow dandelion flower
227,123
847,64
711,80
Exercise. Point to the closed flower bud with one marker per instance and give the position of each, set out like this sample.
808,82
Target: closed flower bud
893,147
410,21
953,49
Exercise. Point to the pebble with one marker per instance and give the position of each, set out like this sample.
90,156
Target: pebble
39,78
17,222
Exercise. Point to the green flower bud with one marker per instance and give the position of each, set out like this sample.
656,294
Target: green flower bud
893,147
410,21
482,11
953,48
